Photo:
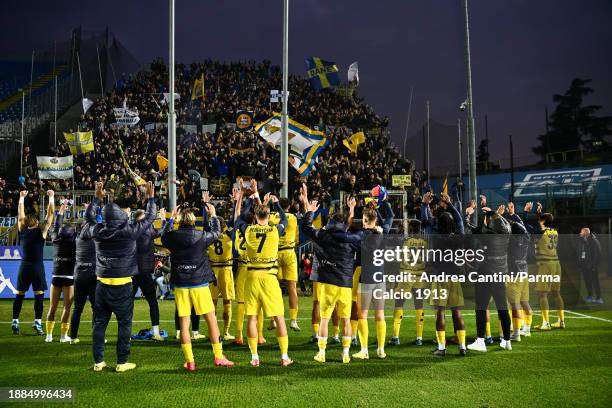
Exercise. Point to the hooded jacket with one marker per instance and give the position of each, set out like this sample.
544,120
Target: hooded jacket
64,248
115,239
333,251
189,264
145,250
518,246
494,239
85,251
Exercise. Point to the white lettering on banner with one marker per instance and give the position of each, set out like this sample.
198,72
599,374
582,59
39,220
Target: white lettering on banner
534,184
8,222
6,254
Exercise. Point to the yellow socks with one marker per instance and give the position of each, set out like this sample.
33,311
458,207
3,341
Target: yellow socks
398,314
283,344
354,324
49,325
322,344
516,320
64,328
419,315
187,352
336,331
561,314
346,345
545,315
217,350
293,314
239,319
441,339
528,318
253,345
461,338
381,333
227,317
362,329
488,330
315,329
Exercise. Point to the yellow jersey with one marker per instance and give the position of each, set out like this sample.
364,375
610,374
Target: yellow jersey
240,246
291,236
220,251
416,246
262,248
546,246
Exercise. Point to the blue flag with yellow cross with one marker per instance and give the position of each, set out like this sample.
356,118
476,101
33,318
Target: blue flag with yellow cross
321,73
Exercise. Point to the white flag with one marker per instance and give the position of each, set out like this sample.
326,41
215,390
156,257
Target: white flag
177,97
54,167
353,73
125,116
87,103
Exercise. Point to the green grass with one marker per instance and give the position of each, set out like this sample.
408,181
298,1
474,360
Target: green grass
558,368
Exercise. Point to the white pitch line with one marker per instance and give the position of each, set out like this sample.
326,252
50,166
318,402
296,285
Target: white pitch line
407,316
584,316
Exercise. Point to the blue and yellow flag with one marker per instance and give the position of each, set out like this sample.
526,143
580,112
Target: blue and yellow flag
305,144
197,92
322,74
80,142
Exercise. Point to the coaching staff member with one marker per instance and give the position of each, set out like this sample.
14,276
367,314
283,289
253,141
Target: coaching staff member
116,263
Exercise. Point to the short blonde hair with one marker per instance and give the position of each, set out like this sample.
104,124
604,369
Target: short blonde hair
186,217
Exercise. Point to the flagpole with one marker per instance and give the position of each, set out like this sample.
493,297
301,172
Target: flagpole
428,166
284,147
460,169
408,121
470,112
100,71
31,82
80,79
171,117
22,129
55,120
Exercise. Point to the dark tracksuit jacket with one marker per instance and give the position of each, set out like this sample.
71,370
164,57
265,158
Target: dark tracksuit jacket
332,247
64,252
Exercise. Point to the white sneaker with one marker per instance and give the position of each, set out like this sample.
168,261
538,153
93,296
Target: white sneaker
65,339
49,338
505,344
516,336
478,345
294,325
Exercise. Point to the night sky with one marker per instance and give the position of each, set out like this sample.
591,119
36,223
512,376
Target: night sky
522,51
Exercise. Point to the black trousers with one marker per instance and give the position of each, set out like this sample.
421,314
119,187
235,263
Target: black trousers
195,320
120,301
145,282
483,293
591,281
84,288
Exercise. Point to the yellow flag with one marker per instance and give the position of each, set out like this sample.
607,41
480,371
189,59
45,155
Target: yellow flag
162,162
198,89
135,177
445,185
80,142
353,142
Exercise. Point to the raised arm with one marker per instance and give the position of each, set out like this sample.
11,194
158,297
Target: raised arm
21,210
215,228
136,229
205,202
50,213
388,217
459,226
282,225
309,209
57,224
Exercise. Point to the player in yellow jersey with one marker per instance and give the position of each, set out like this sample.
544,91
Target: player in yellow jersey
220,256
287,259
414,269
241,262
546,240
261,288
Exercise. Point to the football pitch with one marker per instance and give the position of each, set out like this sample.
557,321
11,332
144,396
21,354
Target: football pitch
565,367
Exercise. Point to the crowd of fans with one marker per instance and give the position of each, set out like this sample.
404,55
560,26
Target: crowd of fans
229,87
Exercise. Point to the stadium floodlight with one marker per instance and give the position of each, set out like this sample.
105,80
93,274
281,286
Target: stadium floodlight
470,112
